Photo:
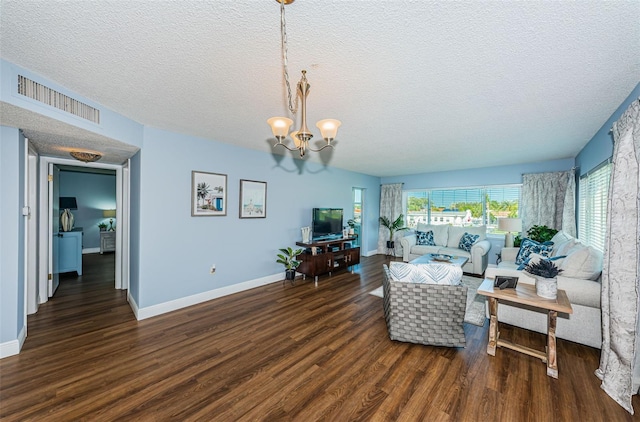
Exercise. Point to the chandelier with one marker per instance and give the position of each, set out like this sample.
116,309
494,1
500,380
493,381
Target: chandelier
280,125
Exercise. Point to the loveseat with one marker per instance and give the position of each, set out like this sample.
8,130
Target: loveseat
580,278
446,239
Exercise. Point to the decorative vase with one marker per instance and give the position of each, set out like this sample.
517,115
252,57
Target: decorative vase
306,234
66,220
547,287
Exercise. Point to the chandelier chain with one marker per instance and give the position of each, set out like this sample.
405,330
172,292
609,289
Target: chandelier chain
283,36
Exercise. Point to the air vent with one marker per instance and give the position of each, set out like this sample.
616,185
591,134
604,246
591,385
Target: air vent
53,98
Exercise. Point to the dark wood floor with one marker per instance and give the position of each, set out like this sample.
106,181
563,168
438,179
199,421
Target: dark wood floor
278,352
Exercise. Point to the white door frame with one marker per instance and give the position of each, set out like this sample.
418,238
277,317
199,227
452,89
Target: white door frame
30,213
122,216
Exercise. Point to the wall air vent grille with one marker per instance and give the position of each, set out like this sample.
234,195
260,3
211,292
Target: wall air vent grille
53,98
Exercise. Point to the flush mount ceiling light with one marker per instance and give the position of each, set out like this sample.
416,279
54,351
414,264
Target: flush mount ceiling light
87,157
280,125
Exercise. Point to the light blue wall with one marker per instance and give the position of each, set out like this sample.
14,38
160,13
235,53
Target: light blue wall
600,147
500,175
112,125
94,193
134,227
11,234
177,250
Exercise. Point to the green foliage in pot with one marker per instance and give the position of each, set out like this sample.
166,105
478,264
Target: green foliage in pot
517,241
541,233
543,268
393,226
287,257
102,226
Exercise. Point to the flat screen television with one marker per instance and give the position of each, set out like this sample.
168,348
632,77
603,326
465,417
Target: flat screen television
327,223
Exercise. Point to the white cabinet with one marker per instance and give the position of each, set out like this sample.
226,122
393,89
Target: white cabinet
107,242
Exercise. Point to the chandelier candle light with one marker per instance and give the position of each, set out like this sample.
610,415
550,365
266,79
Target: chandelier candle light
280,125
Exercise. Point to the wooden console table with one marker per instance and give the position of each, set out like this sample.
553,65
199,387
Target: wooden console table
525,294
327,256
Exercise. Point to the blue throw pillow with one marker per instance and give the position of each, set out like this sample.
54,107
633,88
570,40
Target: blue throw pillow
526,261
528,246
467,240
425,238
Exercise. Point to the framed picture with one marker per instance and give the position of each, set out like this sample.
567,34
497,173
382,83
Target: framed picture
253,199
208,194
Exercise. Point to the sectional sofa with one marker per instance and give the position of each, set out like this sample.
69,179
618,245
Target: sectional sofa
580,278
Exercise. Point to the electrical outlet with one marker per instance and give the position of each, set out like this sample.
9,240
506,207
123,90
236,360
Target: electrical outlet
213,269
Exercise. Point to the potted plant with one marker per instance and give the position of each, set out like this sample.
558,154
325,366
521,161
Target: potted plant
541,233
287,257
393,227
352,225
102,226
545,272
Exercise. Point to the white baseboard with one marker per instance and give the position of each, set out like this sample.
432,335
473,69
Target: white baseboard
90,250
163,308
133,304
371,253
13,347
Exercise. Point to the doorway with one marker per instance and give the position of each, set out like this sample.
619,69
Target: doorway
358,202
48,221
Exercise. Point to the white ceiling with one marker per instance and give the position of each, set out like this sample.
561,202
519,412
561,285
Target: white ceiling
419,86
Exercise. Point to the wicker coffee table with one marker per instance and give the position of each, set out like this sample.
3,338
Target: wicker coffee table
525,294
432,258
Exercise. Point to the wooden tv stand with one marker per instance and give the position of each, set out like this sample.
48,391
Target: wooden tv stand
327,256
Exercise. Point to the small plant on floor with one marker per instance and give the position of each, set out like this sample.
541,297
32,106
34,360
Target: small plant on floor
393,226
543,268
287,257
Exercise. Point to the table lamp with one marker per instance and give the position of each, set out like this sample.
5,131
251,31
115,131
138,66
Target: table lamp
110,214
67,203
509,225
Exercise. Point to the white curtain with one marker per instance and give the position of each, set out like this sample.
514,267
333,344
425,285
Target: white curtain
619,360
390,207
549,199
569,208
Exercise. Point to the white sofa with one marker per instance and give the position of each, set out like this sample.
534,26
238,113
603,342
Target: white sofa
447,239
580,278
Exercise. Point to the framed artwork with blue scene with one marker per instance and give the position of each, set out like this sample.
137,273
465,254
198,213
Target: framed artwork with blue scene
253,199
208,194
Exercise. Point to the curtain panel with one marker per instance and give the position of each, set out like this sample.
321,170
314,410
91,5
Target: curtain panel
390,207
549,199
619,360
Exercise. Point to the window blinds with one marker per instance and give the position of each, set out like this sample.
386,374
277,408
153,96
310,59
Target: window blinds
592,218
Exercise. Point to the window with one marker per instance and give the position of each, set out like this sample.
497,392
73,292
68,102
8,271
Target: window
462,206
592,206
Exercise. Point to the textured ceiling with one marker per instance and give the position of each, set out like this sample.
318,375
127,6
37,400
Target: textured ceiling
419,86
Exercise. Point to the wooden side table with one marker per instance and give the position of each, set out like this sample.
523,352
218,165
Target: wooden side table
525,294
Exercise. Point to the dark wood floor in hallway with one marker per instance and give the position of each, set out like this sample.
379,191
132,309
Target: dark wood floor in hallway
278,352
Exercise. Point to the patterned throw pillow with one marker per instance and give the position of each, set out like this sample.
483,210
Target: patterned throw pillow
426,273
528,246
534,258
467,240
425,238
